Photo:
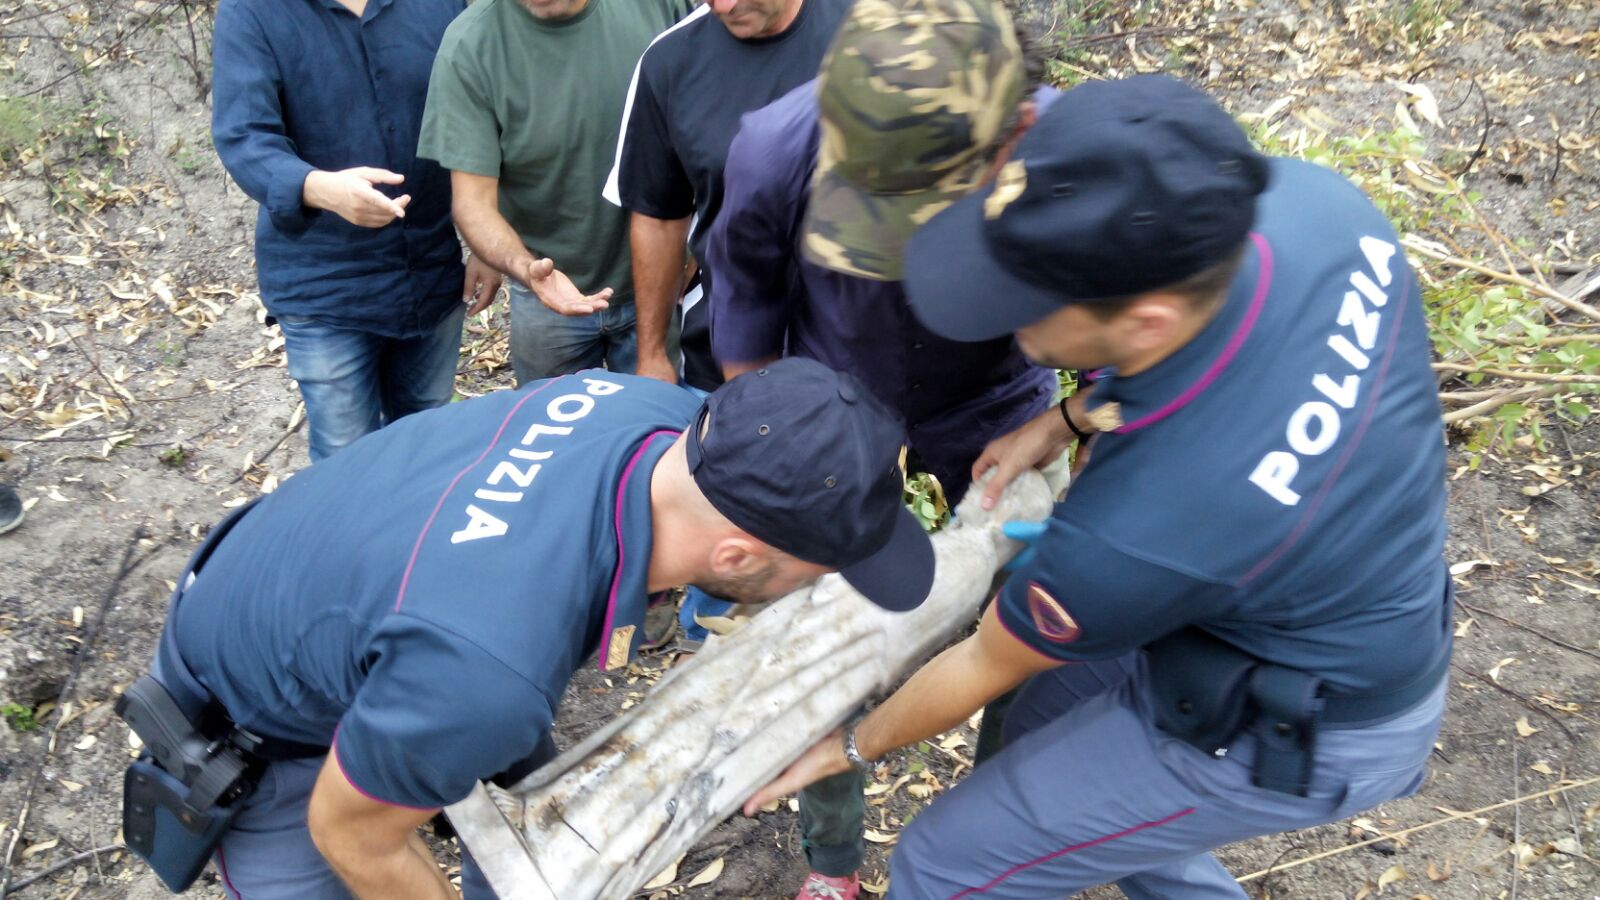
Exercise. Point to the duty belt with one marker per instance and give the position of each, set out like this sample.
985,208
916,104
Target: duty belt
1206,691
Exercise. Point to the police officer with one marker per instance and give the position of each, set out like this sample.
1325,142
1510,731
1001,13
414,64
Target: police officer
1246,574
417,603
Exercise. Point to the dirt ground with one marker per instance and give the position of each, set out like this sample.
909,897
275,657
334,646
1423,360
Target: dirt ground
141,395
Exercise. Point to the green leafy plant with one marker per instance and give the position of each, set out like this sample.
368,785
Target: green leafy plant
19,717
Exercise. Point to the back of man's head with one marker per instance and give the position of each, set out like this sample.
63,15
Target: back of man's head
806,460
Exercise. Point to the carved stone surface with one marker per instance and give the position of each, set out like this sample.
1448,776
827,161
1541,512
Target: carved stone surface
607,815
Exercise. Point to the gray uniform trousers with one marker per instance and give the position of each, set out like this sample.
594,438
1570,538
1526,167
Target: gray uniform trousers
268,854
1088,791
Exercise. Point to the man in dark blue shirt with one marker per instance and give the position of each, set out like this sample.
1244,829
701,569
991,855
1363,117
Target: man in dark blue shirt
691,86
418,602
915,104
1245,579
316,108
796,273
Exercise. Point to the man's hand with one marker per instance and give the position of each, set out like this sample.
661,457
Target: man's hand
483,282
657,366
374,847
1037,443
826,757
555,290
350,195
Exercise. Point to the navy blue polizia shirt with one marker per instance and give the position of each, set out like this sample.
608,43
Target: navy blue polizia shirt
1280,480
768,300
302,85
420,599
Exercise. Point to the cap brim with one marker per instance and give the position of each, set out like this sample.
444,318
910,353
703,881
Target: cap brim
959,289
899,576
861,233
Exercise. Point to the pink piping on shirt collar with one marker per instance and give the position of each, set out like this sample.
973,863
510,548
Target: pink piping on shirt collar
1263,286
616,577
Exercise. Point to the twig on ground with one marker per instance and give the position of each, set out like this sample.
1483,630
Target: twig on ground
1497,400
1524,700
1573,304
1516,816
1528,628
64,698
288,432
1452,817
1520,374
67,863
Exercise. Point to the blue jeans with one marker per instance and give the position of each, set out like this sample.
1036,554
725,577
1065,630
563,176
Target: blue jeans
355,382
544,343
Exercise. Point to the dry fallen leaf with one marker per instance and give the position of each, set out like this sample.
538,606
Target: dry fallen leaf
1390,876
664,877
1543,768
878,837
1462,568
708,874
1524,729
1494,671
1437,874
42,846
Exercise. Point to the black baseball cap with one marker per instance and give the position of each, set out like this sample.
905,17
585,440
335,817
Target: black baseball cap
807,460
1121,187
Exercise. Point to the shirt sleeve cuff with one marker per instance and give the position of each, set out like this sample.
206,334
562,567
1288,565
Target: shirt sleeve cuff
286,198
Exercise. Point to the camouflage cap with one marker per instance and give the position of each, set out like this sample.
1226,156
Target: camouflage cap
913,95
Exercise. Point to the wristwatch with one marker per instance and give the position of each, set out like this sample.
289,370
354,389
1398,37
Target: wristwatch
853,754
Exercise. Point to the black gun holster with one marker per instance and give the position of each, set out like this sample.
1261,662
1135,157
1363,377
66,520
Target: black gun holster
1207,691
182,794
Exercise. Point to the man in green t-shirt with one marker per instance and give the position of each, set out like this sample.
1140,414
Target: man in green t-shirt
524,108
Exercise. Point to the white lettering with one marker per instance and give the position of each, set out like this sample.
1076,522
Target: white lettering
1378,254
1314,427
482,525
1343,394
601,388
497,496
1371,291
1299,433
1273,475
557,409
1348,350
519,453
506,469
1352,314
539,428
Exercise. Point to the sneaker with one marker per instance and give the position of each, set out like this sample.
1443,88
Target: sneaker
10,508
825,887
691,634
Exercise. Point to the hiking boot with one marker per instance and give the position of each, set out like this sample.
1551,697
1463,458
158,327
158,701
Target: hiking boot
826,887
10,508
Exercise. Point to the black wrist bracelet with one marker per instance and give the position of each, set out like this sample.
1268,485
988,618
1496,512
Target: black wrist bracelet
1066,417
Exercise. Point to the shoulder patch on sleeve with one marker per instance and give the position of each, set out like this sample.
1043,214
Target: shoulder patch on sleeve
1050,618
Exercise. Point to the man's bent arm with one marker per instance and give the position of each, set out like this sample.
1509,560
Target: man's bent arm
941,695
659,248
475,206
373,846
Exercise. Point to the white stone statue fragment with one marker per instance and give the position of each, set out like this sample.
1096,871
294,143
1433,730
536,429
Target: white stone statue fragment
604,817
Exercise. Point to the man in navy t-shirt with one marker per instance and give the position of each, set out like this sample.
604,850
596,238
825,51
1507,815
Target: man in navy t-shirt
1246,576
418,602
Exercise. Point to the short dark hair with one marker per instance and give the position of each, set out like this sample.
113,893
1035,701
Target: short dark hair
1203,290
